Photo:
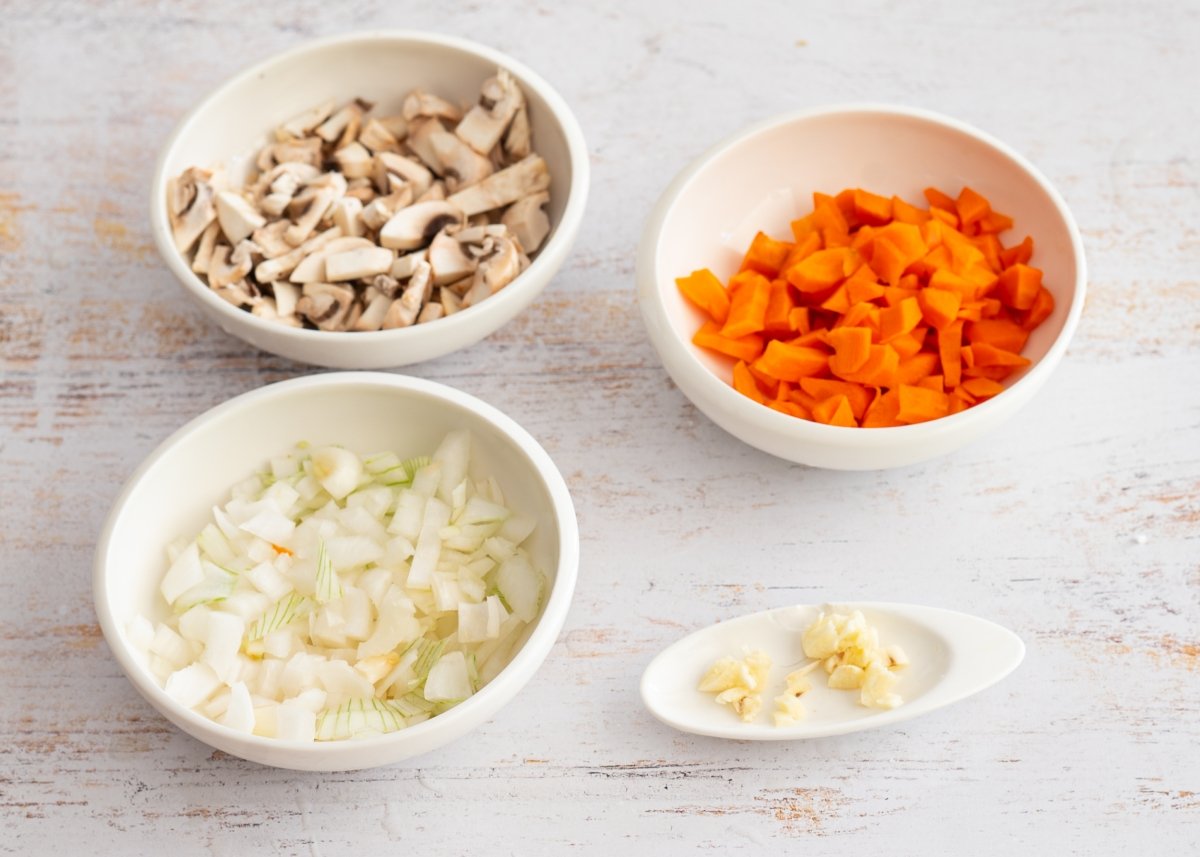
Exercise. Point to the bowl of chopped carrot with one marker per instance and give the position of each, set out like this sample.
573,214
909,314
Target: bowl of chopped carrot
860,287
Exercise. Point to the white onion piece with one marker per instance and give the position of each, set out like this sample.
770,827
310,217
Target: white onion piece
338,470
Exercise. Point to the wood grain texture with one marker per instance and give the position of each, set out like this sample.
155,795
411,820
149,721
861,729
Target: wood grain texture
1078,526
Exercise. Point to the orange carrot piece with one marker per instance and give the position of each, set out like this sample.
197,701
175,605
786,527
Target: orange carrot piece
949,341
893,295
907,239
837,302
803,227
908,344
871,208
791,362
1043,306
811,339
939,306
766,255
937,199
802,399
994,373
851,347
745,384
948,281
984,354
746,348
982,388
860,397
819,271
914,368
880,367
748,307
1018,254
860,314
768,384
994,223
945,215
932,382
834,411
801,250
887,261
798,320
991,248
1018,286
883,411
790,408
918,404
862,286
906,213
971,206
779,307
704,290
1001,332
899,319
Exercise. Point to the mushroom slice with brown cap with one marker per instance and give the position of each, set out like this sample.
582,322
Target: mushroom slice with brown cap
242,293
306,151
358,264
314,211
496,270
283,178
448,261
332,129
403,311
461,165
517,145
303,123
270,239
412,172
227,267
527,222
325,304
485,123
204,249
265,307
382,208
190,206
524,178
419,103
312,269
237,216
374,312
280,266
419,132
416,225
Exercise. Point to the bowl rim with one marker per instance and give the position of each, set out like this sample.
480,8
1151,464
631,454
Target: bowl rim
515,674
674,351
562,233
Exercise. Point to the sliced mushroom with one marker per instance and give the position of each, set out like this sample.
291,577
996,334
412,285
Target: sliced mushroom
517,144
419,133
306,151
432,311
461,165
377,138
205,248
312,268
283,178
347,215
416,225
354,161
314,211
325,304
388,163
190,206
495,271
448,261
227,267
361,189
280,266
420,103
404,266
486,122
335,126
449,301
403,311
437,190
374,312
396,125
382,208
271,241
237,216
499,189
286,296
303,123
527,222
358,264
386,285
241,293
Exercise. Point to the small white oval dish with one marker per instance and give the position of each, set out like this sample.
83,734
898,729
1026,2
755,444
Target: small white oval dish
953,655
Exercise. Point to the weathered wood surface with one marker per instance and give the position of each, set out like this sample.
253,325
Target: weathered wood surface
1078,525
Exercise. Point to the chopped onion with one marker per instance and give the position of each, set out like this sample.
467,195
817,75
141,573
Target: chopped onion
334,597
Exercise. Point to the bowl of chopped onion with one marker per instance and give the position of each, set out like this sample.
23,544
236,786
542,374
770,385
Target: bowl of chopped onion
371,200
337,572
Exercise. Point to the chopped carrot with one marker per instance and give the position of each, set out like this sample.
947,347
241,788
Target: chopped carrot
791,362
748,308
745,348
879,313
834,411
704,290
766,255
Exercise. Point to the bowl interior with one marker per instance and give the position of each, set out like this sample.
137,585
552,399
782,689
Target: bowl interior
764,181
230,126
175,495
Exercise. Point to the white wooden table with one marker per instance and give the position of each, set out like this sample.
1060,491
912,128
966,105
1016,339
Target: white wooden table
1078,525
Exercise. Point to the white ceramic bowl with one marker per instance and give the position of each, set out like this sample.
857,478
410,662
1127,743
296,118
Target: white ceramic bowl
236,119
172,493
764,177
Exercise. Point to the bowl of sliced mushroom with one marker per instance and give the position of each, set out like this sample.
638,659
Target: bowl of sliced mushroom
371,200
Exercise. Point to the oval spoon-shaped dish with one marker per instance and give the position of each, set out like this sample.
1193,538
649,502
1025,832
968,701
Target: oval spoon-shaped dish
952,656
